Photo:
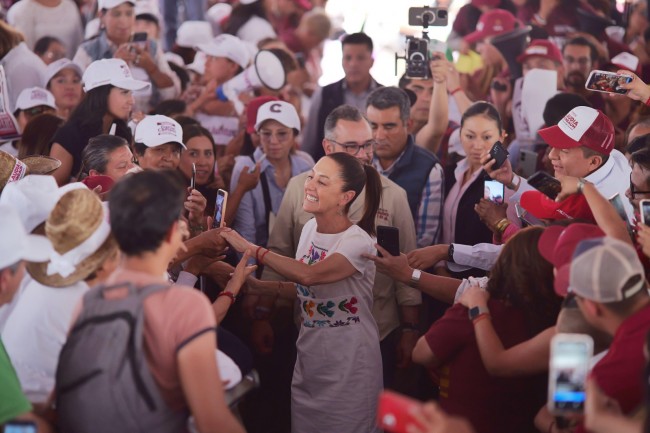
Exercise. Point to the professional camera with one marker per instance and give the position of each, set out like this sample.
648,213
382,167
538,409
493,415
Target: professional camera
417,49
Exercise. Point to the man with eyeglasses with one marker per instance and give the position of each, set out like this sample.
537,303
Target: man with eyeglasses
639,178
395,304
579,58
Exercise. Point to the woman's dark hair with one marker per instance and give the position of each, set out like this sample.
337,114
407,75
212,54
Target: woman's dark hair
639,144
524,279
92,108
96,154
195,130
41,46
170,107
181,73
38,133
241,14
355,176
482,108
560,105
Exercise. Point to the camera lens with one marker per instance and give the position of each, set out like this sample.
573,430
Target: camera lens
429,16
416,56
442,14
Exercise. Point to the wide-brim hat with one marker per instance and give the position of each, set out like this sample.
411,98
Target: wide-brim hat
13,169
77,226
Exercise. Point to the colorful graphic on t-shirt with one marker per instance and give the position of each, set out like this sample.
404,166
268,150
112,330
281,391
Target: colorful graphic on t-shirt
314,255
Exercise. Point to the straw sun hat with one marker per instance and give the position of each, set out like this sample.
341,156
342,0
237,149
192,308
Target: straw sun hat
80,235
13,169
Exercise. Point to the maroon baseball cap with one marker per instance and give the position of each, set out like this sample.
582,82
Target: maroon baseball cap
252,108
304,4
583,126
541,48
557,244
540,206
492,23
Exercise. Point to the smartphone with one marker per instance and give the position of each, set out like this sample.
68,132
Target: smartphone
193,179
493,191
607,82
20,427
499,154
434,16
220,209
140,39
617,202
527,218
644,210
546,184
527,162
568,370
388,238
394,412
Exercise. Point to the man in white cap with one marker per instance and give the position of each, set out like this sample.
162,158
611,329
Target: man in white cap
16,247
607,279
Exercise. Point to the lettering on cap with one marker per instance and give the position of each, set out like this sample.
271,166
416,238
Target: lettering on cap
166,128
38,94
19,171
275,108
125,71
497,26
570,120
537,49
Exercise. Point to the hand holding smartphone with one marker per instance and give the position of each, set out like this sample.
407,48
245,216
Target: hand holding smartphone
394,413
388,239
193,179
140,40
607,82
546,184
568,370
220,209
644,210
499,154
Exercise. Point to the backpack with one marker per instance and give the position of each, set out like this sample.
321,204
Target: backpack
103,382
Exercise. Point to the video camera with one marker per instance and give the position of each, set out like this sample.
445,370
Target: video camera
417,49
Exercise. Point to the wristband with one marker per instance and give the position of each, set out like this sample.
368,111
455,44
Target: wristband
229,295
456,90
512,184
480,317
262,256
581,185
415,277
257,251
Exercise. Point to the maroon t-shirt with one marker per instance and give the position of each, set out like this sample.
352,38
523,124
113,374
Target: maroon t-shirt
491,404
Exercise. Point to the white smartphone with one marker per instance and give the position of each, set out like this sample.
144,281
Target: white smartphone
607,82
262,158
644,210
568,370
220,209
527,162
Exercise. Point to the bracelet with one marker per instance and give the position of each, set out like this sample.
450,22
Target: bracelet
262,256
456,90
512,184
480,317
581,185
257,251
229,295
501,225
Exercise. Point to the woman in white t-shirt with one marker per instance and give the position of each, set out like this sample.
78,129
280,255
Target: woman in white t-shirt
338,373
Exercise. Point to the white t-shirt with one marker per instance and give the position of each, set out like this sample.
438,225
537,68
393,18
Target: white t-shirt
35,332
35,21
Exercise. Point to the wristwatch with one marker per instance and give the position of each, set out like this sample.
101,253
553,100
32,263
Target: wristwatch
415,277
474,312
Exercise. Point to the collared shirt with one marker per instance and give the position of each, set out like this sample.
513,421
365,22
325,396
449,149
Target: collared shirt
250,220
393,211
427,224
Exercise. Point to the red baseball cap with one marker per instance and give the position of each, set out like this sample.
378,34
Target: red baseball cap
93,182
252,108
540,206
541,48
492,23
583,126
304,4
557,245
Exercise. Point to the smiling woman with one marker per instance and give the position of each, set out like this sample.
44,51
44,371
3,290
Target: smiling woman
200,152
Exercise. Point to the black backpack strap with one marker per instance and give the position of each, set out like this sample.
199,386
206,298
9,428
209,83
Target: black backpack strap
266,193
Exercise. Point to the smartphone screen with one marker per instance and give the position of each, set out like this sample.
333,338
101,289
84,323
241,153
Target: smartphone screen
644,210
546,184
607,82
388,239
220,209
140,39
193,180
493,191
19,427
569,367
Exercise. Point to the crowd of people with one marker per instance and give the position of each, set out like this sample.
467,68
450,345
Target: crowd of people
172,220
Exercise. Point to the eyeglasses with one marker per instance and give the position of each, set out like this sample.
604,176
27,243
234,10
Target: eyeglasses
634,191
582,61
281,136
353,149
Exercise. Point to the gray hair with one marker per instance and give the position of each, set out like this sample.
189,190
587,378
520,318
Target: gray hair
342,112
96,154
384,98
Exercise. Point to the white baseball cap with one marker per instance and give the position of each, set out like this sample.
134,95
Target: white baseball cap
193,33
626,61
111,71
279,111
218,13
228,46
35,97
582,126
156,130
198,65
17,244
110,4
59,65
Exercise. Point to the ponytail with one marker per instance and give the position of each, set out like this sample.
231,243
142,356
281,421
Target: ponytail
373,196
